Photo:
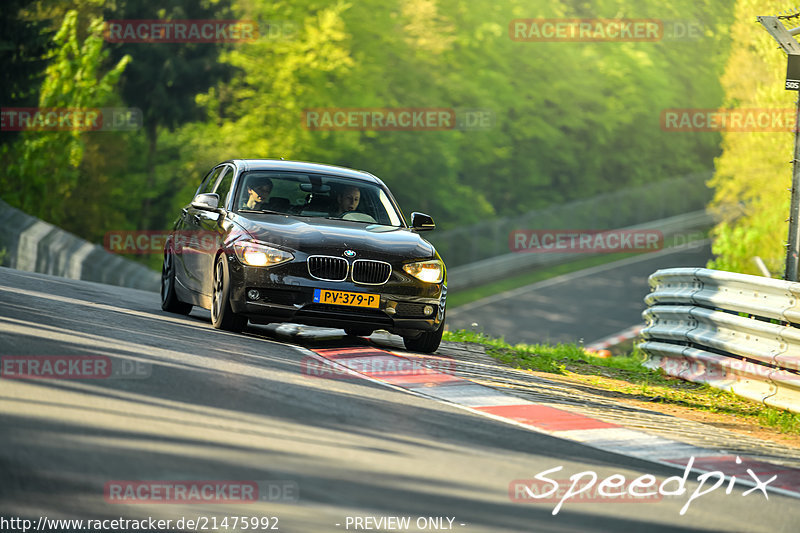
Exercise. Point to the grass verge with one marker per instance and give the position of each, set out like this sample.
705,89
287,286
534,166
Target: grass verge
628,378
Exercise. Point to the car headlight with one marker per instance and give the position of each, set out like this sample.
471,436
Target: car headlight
259,255
431,271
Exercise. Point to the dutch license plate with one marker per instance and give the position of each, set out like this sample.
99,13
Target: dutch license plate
353,299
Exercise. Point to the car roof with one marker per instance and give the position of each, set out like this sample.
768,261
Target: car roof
303,166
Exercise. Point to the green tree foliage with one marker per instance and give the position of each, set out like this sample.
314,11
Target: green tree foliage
164,78
752,174
571,119
23,46
43,168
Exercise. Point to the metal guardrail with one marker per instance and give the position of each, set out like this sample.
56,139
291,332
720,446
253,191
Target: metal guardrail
512,264
736,332
630,206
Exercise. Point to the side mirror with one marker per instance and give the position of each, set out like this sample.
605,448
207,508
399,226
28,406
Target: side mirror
206,201
422,222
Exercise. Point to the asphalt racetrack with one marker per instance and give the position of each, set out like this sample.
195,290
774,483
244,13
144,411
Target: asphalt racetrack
583,306
188,404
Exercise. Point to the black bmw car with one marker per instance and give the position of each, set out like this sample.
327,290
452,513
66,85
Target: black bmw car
288,241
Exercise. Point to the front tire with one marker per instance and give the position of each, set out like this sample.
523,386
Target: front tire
169,300
428,342
222,316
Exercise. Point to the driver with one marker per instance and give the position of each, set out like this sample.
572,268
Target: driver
346,200
258,191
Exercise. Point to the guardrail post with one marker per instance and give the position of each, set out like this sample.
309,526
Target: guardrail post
788,44
793,244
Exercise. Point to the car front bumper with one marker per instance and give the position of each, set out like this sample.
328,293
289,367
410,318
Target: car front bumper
286,294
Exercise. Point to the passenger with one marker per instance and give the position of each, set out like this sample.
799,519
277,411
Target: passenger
346,200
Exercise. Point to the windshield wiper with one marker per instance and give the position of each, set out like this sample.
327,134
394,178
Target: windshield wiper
261,211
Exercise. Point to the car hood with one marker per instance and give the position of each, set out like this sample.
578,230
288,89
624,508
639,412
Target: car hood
332,237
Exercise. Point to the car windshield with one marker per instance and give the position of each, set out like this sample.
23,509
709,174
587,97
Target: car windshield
315,195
